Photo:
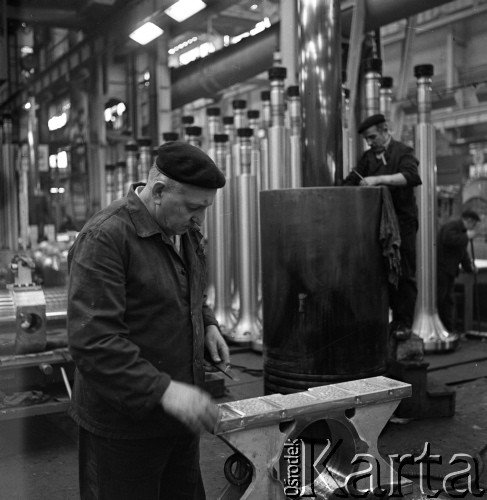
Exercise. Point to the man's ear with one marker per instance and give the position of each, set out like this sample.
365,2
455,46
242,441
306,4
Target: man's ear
157,191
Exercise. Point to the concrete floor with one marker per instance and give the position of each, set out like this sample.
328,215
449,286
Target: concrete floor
38,454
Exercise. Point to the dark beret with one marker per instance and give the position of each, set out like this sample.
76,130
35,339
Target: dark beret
188,164
370,122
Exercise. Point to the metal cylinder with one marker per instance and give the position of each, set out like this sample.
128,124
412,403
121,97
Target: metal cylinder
247,328
427,323
119,179
110,182
264,141
373,75
320,85
170,136
224,234
213,124
239,107
386,84
145,157
324,287
278,143
295,126
24,196
186,121
347,141
193,135
132,173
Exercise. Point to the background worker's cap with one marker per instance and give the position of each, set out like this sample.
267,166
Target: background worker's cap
188,164
370,122
471,214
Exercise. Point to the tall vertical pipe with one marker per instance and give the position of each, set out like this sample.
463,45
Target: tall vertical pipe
427,323
320,87
386,84
347,141
239,107
373,75
265,97
9,201
222,250
247,328
278,157
24,196
229,129
294,107
253,116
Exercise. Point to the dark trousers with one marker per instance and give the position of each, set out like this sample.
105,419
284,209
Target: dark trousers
444,299
139,469
402,300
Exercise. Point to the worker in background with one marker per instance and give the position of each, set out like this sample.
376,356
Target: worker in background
138,325
391,163
452,253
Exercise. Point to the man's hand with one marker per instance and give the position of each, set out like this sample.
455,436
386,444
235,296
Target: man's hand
216,346
371,181
191,406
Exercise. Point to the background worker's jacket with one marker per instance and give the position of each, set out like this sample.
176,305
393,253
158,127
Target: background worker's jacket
400,159
136,319
452,244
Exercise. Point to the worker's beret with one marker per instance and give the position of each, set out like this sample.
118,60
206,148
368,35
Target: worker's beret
370,122
188,164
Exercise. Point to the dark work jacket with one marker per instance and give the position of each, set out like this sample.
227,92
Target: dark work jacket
451,247
136,318
400,160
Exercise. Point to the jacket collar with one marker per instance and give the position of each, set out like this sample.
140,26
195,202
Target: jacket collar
146,226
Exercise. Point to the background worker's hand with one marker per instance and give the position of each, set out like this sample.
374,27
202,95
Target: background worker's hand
191,406
370,181
216,346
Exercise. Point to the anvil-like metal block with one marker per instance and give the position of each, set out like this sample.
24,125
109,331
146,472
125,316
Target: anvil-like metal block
348,414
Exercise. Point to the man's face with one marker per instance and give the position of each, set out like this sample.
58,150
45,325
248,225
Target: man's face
180,210
376,138
470,223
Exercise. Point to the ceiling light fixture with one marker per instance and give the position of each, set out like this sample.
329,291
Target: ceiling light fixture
146,33
183,9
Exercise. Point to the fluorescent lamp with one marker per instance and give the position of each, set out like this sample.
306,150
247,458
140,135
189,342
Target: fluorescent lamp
146,33
183,9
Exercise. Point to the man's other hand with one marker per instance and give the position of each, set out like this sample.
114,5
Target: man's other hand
216,346
191,406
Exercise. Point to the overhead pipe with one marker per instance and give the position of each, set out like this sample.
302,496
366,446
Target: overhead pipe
231,65
427,323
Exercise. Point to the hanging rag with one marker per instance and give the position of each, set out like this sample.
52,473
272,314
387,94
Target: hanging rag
390,238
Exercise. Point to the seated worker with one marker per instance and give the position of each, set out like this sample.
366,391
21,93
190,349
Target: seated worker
452,253
137,325
393,164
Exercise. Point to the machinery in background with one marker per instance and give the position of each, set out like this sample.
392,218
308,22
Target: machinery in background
35,365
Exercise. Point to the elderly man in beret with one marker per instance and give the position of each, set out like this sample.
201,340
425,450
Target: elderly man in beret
391,163
138,325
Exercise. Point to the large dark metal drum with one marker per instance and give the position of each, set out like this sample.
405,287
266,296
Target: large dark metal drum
324,286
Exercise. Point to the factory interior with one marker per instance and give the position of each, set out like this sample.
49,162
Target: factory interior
274,92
